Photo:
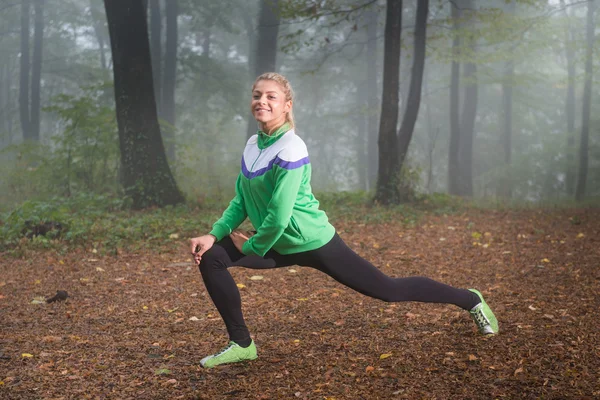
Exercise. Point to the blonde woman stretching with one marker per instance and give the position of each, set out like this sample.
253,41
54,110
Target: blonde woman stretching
273,191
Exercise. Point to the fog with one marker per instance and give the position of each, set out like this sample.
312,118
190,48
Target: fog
333,55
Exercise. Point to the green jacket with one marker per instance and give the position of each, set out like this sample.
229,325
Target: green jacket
273,191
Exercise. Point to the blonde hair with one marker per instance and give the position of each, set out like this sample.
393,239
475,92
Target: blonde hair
287,90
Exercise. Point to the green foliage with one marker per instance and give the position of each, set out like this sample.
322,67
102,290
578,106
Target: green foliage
84,158
102,224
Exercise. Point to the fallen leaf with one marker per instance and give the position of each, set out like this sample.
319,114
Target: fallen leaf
162,371
194,319
292,270
580,235
472,357
385,355
38,300
26,355
256,278
241,285
369,369
518,371
174,236
99,269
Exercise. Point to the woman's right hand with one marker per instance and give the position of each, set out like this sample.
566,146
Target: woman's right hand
201,244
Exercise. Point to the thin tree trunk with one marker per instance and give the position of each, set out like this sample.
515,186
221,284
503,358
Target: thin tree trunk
505,183
36,72
24,71
467,125
505,186
3,104
265,45
372,104
453,160
416,80
571,173
361,136
9,102
387,177
156,49
586,105
146,175
97,21
468,129
170,76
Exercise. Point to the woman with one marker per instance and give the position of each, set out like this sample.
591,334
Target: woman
273,191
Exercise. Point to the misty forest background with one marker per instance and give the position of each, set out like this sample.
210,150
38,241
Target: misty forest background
396,100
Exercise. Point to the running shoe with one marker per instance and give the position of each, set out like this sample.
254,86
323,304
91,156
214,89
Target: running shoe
483,316
231,354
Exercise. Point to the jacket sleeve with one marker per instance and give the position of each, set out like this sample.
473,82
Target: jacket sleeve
279,210
233,215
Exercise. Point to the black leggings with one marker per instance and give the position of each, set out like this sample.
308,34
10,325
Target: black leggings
336,260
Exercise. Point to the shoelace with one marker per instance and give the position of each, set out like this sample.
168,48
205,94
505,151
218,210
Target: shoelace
480,318
230,345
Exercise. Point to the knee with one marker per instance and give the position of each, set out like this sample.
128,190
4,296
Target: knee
215,258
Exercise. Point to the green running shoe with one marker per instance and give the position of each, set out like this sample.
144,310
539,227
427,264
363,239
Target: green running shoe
231,354
484,317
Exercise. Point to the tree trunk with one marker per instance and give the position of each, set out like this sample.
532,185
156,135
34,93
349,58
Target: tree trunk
361,136
504,184
467,125
9,102
587,98
156,50
36,72
504,188
146,175
453,160
371,93
97,22
388,171
24,72
265,45
571,175
416,80
3,103
170,76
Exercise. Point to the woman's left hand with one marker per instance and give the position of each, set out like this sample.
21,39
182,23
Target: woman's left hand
239,238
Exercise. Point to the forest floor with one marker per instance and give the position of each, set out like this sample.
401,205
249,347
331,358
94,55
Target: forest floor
135,326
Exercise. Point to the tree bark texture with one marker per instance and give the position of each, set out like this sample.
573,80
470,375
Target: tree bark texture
146,175
586,105
388,172
265,45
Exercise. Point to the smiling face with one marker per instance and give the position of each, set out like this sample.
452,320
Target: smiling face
269,105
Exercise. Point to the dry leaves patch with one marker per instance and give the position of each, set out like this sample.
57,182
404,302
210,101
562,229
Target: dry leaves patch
135,326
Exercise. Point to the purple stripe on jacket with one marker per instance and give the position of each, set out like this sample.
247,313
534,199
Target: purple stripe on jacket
289,165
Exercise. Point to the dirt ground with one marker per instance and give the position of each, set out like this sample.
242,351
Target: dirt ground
136,325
